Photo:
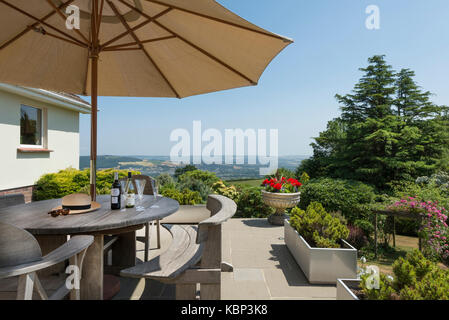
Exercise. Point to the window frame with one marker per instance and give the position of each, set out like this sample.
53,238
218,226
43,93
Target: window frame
43,144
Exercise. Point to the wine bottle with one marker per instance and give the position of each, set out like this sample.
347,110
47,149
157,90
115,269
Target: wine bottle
115,193
131,195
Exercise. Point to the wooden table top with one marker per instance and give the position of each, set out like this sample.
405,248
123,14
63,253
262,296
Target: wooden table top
34,216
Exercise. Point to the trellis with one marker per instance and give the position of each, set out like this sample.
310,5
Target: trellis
395,214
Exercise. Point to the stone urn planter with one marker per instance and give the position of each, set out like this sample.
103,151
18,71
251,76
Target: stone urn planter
344,289
321,265
280,202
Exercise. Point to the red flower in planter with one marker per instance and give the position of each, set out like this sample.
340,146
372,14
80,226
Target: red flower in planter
284,185
278,186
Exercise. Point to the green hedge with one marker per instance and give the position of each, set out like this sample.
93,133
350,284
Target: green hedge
184,197
351,198
68,181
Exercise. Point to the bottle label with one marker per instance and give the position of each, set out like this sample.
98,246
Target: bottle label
115,192
130,201
114,200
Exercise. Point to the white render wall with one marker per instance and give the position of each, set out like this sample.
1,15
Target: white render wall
24,169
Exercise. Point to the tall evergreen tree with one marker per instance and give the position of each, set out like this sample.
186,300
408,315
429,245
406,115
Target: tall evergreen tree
389,130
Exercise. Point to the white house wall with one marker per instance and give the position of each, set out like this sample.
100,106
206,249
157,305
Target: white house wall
24,169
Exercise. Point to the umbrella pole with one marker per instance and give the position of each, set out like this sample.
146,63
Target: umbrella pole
94,101
93,133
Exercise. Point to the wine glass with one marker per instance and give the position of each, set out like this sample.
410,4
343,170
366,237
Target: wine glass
140,185
155,186
124,186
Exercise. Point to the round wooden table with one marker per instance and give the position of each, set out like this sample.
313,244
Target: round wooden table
52,232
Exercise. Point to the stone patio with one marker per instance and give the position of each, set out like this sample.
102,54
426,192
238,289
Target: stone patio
263,267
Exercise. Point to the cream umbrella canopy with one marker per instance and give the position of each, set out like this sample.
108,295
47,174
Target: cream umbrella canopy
139,48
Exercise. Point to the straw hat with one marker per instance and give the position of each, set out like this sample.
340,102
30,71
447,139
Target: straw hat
78,203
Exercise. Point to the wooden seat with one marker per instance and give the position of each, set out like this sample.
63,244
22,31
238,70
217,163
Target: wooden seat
194,256
20,255
183,253
9,200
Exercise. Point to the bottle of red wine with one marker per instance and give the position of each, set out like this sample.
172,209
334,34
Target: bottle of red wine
115,193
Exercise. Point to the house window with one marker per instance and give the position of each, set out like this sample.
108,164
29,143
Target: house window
30,126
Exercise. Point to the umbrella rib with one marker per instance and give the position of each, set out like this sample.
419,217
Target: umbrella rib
59,12
100,14
219,20
122,49
42,22
46,33
30,27
125,24
206,53
135,43
140,25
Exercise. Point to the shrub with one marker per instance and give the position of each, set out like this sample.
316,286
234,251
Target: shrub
181,171
250,204
166,180
196,185
351,198
304,178
357,237
207,177
184,197
415,278
68,181
221,188
318,227
425,192
434,229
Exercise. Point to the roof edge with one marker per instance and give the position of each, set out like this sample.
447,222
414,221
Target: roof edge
48,97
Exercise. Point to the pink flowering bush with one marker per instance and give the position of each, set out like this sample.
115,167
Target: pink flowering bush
434,229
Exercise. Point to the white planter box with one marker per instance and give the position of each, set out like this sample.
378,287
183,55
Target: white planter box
344,287
321,265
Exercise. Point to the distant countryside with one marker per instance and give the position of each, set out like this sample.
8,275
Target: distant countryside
155,165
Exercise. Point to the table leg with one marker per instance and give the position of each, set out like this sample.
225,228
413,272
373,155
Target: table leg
92,271
48,244
124,251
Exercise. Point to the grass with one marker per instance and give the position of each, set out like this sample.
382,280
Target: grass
251,182
404,245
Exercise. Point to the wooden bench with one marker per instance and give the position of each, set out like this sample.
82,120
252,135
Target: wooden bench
194,256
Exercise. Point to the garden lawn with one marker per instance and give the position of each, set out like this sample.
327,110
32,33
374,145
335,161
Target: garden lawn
404,245
251,183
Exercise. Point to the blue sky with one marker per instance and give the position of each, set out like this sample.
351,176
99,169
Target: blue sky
296,92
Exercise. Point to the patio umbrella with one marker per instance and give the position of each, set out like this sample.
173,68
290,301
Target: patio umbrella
139,48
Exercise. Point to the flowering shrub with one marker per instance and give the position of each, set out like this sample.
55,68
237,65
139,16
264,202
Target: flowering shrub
221,188
282,185
434,228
